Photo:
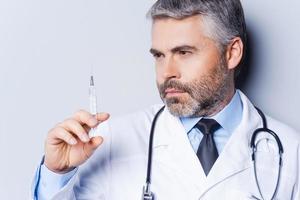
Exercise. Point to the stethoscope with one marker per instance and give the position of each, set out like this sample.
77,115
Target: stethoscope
149,195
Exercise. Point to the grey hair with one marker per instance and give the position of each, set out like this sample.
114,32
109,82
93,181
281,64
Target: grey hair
223,19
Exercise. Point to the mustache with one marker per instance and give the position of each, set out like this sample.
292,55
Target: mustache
173,84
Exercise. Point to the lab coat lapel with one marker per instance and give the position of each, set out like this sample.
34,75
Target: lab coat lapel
179,154
236,154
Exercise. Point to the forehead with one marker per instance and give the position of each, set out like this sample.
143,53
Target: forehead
170,32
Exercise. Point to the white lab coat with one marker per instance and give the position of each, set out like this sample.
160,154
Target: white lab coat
117,169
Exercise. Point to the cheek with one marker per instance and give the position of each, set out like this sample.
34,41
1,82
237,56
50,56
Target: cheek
159,74
198,66
192,68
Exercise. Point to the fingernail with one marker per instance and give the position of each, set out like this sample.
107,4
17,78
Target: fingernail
73,141
93,120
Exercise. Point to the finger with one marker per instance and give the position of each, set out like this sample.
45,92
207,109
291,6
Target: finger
92,145
86,128
101,117
73,126
84,117
59,134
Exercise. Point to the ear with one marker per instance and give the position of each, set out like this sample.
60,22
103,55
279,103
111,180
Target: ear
234,52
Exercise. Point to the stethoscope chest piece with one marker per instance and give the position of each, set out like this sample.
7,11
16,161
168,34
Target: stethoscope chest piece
147,194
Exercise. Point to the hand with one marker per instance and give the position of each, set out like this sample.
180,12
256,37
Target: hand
68,144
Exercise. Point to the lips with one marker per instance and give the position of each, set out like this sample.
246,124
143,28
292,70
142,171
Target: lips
173,91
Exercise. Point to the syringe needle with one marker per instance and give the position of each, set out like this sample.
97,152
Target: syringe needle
92,81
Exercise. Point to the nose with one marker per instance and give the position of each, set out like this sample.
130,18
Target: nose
170,69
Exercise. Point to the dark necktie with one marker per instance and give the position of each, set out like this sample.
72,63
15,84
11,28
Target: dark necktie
207,151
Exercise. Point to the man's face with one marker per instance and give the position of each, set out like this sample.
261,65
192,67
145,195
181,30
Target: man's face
191,74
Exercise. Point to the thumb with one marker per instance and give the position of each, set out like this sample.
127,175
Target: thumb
92,145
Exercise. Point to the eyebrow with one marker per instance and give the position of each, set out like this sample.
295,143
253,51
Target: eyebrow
155,51
175,49
183,48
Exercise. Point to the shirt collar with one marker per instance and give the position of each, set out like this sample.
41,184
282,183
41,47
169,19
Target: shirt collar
229,117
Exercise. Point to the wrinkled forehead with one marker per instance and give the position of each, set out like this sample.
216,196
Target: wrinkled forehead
169,32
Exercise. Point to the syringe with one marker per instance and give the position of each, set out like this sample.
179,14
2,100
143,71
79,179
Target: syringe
93,100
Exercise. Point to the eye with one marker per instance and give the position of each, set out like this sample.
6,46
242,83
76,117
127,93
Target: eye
183,53
157,55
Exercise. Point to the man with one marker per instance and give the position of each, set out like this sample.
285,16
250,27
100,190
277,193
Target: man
201,146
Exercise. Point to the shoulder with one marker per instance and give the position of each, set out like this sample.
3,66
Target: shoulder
283,130
129,134
135,125
136,118
288,136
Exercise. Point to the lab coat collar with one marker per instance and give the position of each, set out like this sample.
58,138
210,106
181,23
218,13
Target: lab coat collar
234,158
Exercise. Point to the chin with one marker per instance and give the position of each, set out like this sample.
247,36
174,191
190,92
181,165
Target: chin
180,109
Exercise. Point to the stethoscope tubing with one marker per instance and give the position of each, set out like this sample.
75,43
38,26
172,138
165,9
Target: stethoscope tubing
148,195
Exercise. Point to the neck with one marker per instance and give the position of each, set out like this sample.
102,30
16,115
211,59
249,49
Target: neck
221,104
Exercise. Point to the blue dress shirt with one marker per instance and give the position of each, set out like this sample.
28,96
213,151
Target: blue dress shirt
228,118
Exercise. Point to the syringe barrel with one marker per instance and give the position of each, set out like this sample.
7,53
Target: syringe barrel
93,100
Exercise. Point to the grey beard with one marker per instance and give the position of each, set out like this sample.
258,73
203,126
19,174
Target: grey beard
201,102
202,97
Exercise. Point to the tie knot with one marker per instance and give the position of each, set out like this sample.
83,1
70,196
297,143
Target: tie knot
208,126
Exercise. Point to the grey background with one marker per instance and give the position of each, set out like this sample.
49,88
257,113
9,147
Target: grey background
47,49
